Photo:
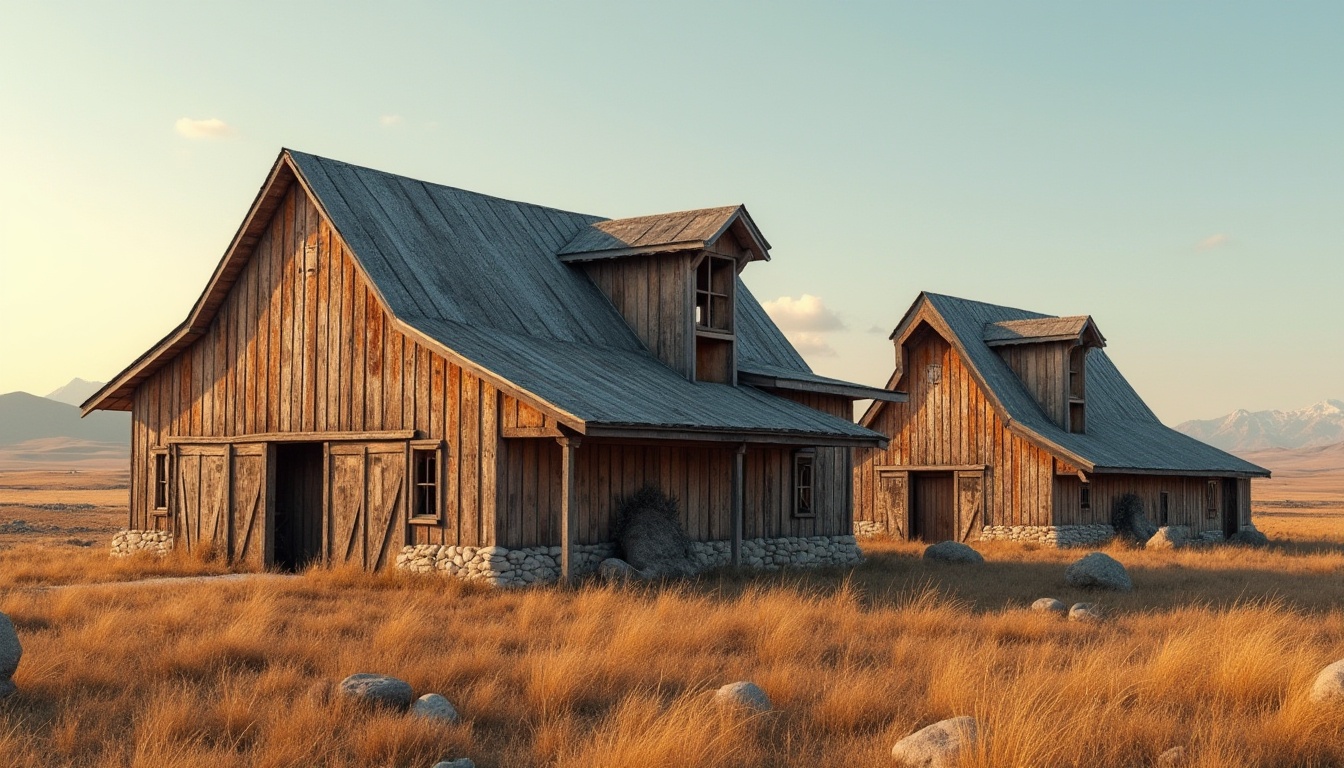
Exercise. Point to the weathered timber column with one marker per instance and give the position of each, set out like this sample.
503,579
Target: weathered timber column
739,488
568,507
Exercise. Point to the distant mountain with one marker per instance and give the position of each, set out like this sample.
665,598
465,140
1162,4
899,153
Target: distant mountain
1316,425
76,392
26,417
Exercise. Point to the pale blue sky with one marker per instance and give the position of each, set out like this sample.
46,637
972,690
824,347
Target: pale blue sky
1175,170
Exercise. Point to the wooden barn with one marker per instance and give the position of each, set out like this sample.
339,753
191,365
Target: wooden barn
1018,426
382,370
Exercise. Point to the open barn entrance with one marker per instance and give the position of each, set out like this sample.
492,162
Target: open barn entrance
298,504
933,507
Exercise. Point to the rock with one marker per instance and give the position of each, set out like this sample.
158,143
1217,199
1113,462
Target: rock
1098,571
651,536
1050,605
1087,613
744,695
1171,758
937,746
614,570
10,648
379,690
1250,537
7,688
1329,685
1169,537
952,552
435,707
461,762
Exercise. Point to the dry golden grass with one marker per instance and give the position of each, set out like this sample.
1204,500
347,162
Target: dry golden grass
1215,650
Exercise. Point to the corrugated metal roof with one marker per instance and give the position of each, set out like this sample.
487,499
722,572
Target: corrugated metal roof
1009,331
1122,432
480,276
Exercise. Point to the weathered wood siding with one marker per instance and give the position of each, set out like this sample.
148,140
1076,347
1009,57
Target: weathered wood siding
653,294
301,344
1188,499
700,477
1044,371
952,423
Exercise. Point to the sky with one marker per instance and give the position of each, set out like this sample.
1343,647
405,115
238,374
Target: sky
1175,170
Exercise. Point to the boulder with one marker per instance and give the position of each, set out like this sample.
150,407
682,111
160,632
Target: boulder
651,537
1250,537
1098,571
614,570
1129,520
432,706
1088,613
10,649
378,690
7,688
1050,605
938,746
1329,685
1169,537
461,762
1171,758
743,695
952,552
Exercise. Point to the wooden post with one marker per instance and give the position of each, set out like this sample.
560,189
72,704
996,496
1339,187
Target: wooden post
739,458
568,507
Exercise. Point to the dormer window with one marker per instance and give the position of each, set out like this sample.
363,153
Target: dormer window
1078,390
714,280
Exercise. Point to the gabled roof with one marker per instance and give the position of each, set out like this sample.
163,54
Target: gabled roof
1123,434
1042,329
477,279
665,233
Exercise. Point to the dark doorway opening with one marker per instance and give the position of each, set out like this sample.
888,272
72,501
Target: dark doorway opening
932,507
298,504
1231,508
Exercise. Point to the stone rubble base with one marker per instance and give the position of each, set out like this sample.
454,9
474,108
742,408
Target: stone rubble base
127,543
1049,535
499,566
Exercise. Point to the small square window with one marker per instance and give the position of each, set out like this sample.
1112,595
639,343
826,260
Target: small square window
425,465
804,477
161,480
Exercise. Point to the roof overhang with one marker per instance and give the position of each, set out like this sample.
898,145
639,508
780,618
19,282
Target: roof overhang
638,433
616,243
837,388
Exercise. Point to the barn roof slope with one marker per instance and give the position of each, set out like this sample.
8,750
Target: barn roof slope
481,276
1123,434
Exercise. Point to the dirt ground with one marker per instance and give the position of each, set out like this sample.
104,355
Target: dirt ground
75,508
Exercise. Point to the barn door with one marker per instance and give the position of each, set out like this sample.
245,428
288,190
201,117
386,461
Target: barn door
253,483
892,507
366,493
201,514
933,506
970,504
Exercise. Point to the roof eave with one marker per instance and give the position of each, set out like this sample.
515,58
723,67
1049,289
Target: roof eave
839,389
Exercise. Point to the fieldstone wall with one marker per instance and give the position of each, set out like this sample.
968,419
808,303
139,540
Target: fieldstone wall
503,567
127,543
1049,535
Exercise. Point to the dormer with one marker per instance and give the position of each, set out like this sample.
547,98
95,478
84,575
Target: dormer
673,277
1049,356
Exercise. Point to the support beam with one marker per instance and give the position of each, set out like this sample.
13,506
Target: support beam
568,506
739,489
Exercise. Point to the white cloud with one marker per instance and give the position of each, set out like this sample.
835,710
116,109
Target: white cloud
806,313
209,128
811,344
387,121
1212,241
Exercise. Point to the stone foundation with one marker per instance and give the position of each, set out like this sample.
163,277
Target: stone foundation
503,567
127,543
1049,535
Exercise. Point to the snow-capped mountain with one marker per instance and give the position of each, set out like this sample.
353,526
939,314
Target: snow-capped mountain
1319,424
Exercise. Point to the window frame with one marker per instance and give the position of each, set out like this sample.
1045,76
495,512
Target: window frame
161,473
1085,496
805,463
713,266
1163,508
1211,500
434,451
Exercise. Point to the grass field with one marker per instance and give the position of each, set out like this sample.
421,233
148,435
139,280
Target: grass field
1214,650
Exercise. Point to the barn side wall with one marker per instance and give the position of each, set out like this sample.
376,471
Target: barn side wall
950,422
1188,500
653,294
301,344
